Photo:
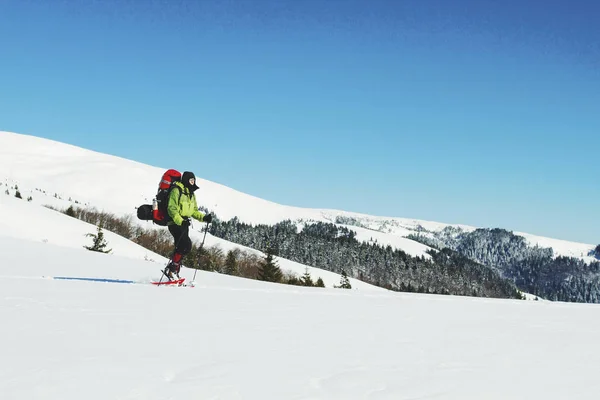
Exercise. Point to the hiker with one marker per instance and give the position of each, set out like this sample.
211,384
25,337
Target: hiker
181,207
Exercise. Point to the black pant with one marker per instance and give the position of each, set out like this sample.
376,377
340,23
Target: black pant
183,243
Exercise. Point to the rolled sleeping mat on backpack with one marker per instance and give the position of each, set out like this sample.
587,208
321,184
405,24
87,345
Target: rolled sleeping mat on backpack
144,212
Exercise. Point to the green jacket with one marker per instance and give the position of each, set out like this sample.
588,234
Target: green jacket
184,206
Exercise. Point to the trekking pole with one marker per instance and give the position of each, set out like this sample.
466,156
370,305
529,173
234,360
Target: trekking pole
200,248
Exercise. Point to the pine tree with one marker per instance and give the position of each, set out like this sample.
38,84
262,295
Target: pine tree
231,267
99,243
320,283
344,282
70,211
18,194
293,280
268,269
306,279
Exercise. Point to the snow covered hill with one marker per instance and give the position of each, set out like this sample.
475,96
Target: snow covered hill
231,338
32,222
235,338
39,165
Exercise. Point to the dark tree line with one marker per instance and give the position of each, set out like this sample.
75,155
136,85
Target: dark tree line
333,248
533,269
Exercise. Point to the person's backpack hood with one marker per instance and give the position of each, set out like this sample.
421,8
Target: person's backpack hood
185,180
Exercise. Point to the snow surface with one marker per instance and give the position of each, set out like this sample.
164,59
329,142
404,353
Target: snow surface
38,164
234,338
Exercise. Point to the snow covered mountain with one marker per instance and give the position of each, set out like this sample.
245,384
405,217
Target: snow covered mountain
233,338
40,165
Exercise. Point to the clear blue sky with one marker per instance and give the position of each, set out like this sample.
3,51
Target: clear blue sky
467,111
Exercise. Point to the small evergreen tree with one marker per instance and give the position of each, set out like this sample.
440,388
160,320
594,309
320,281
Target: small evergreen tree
18,195
293,280
344,282
268,269
231,267
99,243
70,211
29,198
7,192
320,283
306,279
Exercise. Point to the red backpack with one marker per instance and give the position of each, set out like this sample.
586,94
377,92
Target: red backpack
157,211
160,216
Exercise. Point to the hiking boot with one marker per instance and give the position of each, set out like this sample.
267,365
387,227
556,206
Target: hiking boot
172,270
167,272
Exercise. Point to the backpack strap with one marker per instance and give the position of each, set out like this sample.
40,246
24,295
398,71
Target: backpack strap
180,192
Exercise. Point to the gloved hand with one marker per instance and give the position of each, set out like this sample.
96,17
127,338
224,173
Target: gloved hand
185,223
207,218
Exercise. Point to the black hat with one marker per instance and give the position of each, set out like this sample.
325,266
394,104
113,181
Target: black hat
185,179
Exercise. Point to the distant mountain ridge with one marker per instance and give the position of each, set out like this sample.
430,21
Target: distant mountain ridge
534,269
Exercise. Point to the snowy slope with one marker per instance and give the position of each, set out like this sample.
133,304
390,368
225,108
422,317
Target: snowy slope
24,220
29,221
561,247
236,339
87,177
